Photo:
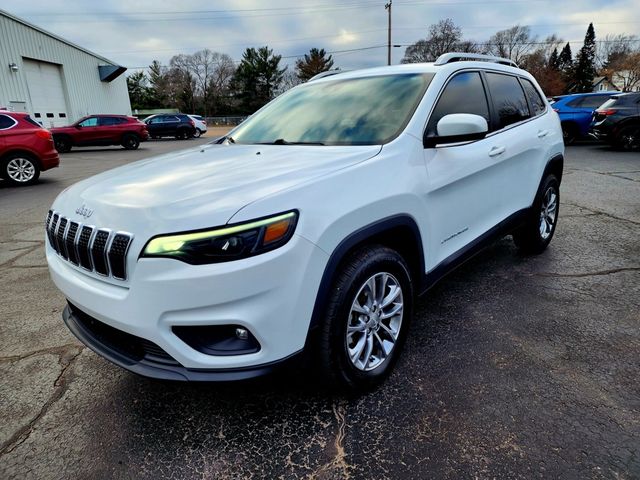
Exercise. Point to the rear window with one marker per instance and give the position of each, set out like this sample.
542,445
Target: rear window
593,101
609,103
32,121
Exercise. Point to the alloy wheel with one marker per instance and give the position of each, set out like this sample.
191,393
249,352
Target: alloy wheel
548,212
374,321
21,170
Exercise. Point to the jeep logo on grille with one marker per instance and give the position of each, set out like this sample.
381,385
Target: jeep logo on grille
84,211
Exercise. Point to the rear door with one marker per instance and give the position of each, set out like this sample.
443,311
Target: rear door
522,135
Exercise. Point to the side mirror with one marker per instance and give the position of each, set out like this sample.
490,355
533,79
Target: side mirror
78,126
458,127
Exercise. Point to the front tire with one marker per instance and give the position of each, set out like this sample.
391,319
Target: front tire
366,319
20,169
536,234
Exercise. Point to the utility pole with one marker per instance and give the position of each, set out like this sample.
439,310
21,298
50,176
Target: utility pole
387,6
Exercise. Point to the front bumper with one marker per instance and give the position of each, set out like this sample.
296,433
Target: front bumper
272,295
147,359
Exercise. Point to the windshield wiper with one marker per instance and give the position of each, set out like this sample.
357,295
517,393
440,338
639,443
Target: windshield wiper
226,138
282,141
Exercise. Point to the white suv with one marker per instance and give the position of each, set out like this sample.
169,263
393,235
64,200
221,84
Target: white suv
312,226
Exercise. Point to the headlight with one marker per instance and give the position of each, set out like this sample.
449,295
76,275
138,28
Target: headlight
225,243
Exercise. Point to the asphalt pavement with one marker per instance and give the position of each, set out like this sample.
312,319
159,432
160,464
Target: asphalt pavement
515,367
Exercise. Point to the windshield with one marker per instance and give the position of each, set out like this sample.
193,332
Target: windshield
358,111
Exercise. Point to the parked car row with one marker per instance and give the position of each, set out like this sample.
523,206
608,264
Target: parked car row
612,117
27,148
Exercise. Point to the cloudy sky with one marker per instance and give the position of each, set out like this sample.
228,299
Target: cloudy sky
133,33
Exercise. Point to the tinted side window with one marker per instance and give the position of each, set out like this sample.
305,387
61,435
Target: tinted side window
108,121
508,99
463,94
575,103
593,101
6,122
535,100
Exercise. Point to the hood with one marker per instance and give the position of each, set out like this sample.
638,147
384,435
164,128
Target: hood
200,187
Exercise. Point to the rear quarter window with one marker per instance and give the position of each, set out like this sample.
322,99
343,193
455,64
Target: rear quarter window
535,100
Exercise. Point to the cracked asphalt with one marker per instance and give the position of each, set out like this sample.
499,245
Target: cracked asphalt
515,367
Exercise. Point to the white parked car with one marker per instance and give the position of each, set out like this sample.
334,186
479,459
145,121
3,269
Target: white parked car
311,227
201,125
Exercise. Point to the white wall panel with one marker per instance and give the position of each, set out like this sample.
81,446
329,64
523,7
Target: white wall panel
84,92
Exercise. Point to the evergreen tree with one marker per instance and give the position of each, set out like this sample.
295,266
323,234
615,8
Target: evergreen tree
554,60
314,63
585,67
257,78
565,59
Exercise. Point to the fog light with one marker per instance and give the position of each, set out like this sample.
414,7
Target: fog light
242,333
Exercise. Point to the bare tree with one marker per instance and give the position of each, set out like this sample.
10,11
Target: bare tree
444,36
625,71
513,43
289,80
614,48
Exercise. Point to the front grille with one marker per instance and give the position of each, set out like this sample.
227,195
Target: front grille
97,250
126,344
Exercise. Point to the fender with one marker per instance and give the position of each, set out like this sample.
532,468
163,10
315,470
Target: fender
555,165
360,236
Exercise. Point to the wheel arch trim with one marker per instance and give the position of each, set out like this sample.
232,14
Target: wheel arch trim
360,237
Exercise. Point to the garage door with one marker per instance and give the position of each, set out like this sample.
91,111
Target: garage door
46,91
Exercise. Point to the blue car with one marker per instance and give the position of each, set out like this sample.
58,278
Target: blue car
576,112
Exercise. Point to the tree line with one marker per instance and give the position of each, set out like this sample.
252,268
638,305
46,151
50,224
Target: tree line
212,83
550,60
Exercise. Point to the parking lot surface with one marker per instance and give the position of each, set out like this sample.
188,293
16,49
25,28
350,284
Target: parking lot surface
515,367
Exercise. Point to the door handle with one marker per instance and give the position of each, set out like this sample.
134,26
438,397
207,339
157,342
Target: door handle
543,133
495,151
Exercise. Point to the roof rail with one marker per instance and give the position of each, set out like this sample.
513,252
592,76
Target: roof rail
461,57
327,73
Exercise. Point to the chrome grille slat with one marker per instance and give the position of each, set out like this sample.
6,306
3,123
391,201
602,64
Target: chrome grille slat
62,230
70,242
97,250
84,240
54,228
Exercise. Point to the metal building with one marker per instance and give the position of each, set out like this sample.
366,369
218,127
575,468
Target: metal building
53,79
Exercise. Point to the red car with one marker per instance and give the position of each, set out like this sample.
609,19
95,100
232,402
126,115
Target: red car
26,149
99,130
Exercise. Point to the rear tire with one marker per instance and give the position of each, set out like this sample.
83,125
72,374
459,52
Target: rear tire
569,133
62,144
536,234
20,169
628,138
130,141
366,319
182,134
197,133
